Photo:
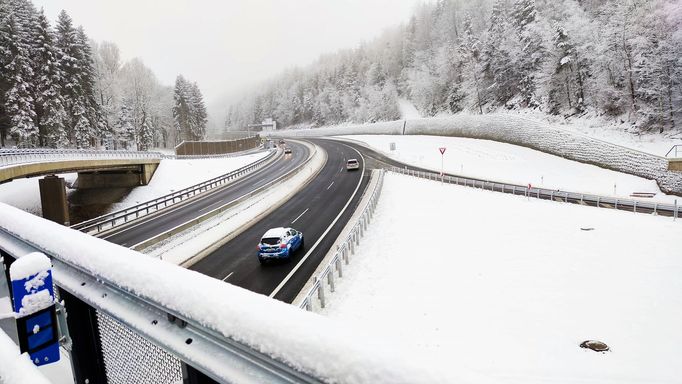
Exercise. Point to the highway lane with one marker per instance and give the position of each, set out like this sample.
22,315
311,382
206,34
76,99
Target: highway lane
154,224
315,211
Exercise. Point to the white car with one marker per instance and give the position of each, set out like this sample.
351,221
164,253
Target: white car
352,164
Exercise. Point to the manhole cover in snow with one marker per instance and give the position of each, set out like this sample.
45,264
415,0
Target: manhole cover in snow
594,345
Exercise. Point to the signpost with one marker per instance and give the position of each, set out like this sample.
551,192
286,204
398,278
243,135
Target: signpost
442,154
34,307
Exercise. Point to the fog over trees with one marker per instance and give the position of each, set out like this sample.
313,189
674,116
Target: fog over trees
618,59
60,89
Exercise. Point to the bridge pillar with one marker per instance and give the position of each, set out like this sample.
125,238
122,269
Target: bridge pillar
147,172
53,199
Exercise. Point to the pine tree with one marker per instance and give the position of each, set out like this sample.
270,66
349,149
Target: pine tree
124,129
68,46
19,102
88,75
50,113
198,115
181,109
532,52
5,59
146,135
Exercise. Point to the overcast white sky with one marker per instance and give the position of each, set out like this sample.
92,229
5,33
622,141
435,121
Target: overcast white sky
226,45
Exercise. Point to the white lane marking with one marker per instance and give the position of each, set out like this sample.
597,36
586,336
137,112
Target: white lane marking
304,258
330,185
228,276
299,216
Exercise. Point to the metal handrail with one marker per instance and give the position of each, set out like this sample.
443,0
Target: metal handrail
113,219
135,312
21,156
674,147
636,206
342,256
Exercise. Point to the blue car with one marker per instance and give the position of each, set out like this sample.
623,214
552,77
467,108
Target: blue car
279,244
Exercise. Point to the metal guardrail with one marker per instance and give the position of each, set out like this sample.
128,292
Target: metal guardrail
675,148
342,255
111,220
221,358
636,206
22,156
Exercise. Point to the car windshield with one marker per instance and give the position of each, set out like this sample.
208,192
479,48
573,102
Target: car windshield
352,161
270,240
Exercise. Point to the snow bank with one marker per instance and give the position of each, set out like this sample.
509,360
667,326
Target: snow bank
511,164
517,130
17,368
324,348
510,287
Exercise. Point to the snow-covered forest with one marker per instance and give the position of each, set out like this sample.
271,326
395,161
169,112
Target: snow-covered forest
60,89
611,58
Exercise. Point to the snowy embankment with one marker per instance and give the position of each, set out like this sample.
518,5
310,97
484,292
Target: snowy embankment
509,287
512,164
513,129
172,175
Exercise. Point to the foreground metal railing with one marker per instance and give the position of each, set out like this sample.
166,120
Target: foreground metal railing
636,206
111,220
343,252
22,156
186,337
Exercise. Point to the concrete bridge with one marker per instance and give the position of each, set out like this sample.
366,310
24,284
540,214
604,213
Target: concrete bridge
96,169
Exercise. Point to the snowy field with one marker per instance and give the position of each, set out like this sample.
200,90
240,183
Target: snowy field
172,175
503,162
509,287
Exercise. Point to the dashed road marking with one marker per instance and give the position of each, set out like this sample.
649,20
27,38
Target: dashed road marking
299,216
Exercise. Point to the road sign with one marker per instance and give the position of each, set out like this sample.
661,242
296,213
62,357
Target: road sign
34,307
442,150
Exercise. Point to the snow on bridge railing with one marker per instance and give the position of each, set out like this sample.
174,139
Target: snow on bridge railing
21,156
228,333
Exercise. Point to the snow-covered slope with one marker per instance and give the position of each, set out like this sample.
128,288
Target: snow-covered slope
510,287
513,129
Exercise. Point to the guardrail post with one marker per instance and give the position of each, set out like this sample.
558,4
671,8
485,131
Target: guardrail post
320,295
551,196
513,189
339,267
635,206
616,204
675,212
330,280
598,203
566,201
345,255
655,208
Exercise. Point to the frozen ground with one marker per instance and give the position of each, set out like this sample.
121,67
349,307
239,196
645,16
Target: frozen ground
509,287
502,162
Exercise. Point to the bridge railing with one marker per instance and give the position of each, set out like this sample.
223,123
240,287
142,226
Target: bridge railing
111,220
200,323
637,206
21,156
325,281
